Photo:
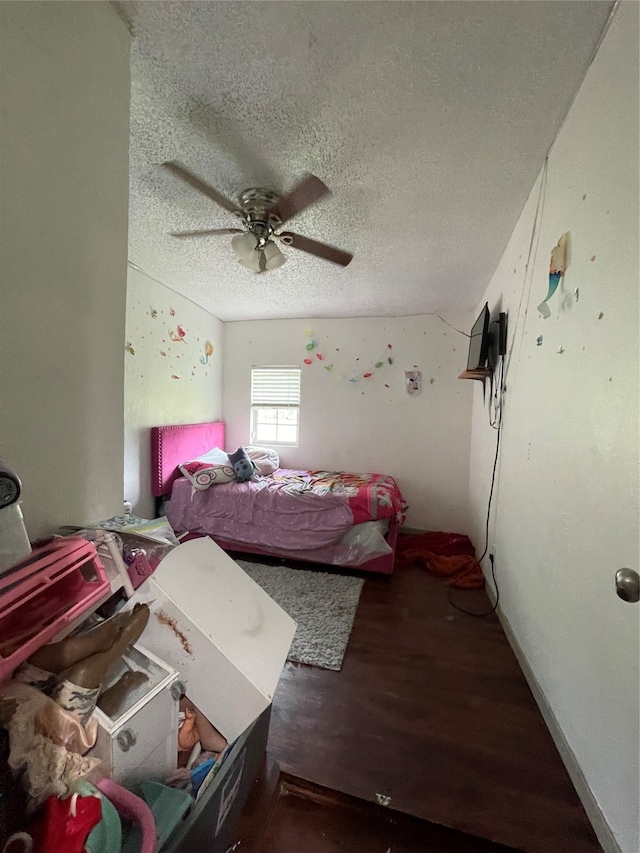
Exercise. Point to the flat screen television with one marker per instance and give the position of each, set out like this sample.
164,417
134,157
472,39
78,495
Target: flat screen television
479,341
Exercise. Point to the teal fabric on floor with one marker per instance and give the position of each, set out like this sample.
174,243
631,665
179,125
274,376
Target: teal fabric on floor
106,837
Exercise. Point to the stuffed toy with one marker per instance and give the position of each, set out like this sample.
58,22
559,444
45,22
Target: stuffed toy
243,466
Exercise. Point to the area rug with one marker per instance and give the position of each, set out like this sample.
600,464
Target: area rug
323,605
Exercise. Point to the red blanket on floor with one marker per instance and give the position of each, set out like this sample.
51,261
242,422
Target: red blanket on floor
449,555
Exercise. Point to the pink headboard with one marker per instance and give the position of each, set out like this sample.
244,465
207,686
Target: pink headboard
173,445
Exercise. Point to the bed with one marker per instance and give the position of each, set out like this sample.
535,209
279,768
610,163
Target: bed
336,518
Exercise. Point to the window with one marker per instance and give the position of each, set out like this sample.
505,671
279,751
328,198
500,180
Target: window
275,405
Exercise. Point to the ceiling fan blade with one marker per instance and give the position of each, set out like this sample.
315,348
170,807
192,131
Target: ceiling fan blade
307,192
313,247
210,233
197,184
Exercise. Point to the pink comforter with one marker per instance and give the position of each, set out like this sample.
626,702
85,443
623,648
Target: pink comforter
293,510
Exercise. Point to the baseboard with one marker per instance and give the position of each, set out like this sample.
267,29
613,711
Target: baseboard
594,813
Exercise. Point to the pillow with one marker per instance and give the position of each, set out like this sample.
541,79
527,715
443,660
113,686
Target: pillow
242,465
210,469
266,459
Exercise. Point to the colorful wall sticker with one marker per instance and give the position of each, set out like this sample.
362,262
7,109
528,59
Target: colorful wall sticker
380,362
557,268
208,352
178,335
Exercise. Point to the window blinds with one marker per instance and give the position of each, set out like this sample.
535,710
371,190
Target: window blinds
275,386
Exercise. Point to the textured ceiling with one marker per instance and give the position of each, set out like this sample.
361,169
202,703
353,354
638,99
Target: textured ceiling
428,120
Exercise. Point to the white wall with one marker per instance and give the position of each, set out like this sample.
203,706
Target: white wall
64,149
423,441
166,381
566,512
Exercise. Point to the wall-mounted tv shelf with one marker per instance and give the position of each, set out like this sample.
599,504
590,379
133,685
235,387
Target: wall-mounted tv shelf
481,373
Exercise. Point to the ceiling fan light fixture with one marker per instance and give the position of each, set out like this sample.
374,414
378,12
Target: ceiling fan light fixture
273,256
252,262
244,246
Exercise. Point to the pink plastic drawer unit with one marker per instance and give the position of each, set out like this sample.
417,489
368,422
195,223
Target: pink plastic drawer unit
47,591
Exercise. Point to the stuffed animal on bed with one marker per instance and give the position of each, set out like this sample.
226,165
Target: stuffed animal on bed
243,467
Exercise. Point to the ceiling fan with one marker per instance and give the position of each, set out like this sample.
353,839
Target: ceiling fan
263,213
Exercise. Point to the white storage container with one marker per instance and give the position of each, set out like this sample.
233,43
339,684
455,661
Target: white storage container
219,630
142,742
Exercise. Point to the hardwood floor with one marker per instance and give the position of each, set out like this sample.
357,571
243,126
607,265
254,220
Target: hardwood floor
431,710
311,818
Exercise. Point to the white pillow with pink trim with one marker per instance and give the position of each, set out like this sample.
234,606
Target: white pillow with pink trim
210,469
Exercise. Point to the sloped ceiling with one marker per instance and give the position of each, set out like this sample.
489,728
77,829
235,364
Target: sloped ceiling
428,120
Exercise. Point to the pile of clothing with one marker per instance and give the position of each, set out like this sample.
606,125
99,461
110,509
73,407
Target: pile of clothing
450,556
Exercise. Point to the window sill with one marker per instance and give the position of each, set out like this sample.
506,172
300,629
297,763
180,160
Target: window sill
264,443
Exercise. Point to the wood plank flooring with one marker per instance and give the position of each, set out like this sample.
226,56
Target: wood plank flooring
311,818
431,709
